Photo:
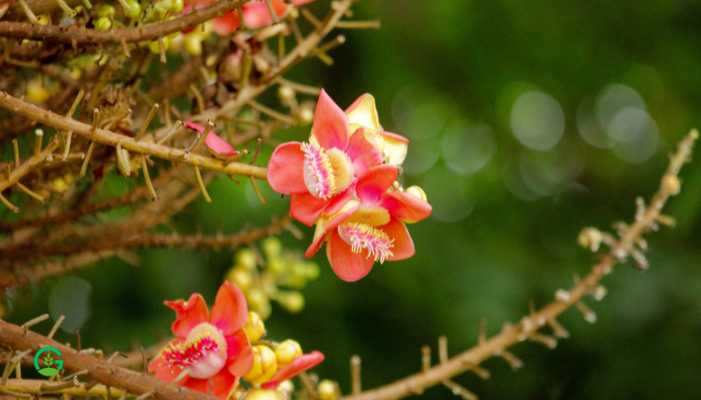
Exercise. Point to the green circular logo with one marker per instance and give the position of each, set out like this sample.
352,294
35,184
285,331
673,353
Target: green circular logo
47,361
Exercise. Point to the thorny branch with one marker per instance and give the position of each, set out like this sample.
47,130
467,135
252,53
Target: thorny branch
80,35
647,219
21,339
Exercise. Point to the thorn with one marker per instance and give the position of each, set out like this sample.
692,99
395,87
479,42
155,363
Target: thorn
513,361
34,321
149,117
29,192
8,204
558,329
546,340
640,260
15,150
425,358
599,293
356,383
200,183
28,12
563,295
459,390
587,313
38,139
147,179
86,161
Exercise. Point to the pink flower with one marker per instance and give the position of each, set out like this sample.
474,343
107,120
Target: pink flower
216,145
296,367
370,226
210,348
255,14
318,174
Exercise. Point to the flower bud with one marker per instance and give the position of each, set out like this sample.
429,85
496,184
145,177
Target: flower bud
272,247
254,327
36,92
246,259
105,10
259,302
305,113
43,19
328,390
193,44
262,394
286,94
276,265
240,277
287,351
103,24
292,301
264,365
131,8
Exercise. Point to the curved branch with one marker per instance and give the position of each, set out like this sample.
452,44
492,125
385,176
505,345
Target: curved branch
79,35
113,139
21,339
511,335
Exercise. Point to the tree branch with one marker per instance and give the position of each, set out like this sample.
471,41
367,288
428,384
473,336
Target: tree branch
645,221
80,35
113,139
21,339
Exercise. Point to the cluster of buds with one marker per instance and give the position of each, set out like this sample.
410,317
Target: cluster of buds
344,181
277,275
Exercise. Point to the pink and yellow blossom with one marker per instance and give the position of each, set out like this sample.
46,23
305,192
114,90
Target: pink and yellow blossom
210,351
318,174
371,226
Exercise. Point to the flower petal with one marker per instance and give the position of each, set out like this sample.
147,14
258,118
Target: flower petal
286,169
222,383
394,147
363,153
296,367
328,223
375,182
219,147
347,265
230,310
239,354
227,24
188,314
330,125
403,245
199,385
363,113
406,207
160,368
256,14
306,208
195,126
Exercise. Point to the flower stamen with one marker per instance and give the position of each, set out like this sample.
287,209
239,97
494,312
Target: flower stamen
364,237
318,171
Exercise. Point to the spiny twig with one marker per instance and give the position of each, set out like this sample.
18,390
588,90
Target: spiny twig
510,335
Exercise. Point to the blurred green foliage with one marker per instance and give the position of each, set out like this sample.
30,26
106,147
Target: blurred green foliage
448,74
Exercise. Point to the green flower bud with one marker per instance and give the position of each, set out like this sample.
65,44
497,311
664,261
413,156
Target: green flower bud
292,301
246,258
131,8
103,24
105,10
272,247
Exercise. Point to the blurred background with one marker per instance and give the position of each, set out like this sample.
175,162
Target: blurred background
528,121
